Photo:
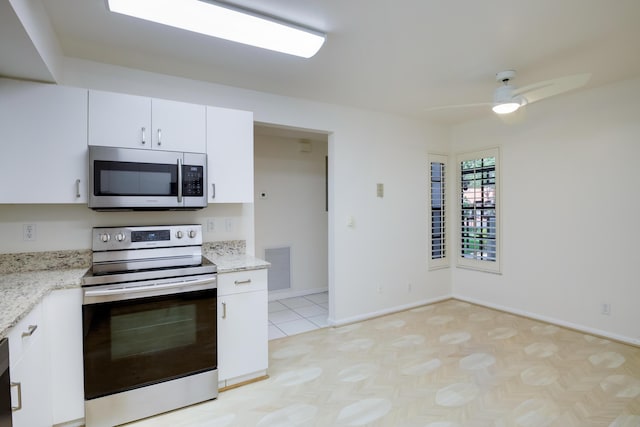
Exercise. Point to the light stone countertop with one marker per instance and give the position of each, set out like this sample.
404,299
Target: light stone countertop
23,289
21,292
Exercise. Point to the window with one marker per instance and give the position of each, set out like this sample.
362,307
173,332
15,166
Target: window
437,212
478,227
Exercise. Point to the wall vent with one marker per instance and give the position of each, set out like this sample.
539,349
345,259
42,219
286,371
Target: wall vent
279,273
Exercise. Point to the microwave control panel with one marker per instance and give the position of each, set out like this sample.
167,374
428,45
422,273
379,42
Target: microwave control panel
192,180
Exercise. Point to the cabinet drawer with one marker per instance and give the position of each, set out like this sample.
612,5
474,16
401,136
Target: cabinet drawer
242,281
24,334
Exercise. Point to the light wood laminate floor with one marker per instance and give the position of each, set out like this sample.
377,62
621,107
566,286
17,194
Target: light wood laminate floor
444,365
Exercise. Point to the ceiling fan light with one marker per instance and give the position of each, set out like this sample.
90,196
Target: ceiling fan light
503,100
219,20
505,107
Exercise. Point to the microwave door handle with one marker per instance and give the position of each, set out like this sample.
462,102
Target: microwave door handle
179,180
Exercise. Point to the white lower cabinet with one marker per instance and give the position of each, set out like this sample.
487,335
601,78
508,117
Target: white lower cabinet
45,357
29,370
63,315
243,339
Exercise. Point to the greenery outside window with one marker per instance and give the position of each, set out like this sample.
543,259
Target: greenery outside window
478,186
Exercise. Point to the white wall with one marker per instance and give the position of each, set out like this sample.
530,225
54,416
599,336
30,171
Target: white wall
63,227
293,214
570,209
387,249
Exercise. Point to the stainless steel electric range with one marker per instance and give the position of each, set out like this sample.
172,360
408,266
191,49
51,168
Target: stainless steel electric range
149,323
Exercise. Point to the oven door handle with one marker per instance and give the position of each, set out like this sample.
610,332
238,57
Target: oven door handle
92,296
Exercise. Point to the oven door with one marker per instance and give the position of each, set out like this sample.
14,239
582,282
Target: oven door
135,338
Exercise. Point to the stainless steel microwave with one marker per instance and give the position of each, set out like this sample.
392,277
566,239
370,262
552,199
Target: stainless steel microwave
139,179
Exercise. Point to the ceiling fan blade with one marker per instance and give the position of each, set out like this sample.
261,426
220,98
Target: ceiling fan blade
537,91
451,107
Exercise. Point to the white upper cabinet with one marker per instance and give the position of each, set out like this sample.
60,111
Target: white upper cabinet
43,143
230,155
120,120
178,126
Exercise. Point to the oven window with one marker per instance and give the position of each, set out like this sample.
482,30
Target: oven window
150,331
134,343
135,179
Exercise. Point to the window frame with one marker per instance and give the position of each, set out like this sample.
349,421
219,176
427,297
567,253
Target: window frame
472,263
443,262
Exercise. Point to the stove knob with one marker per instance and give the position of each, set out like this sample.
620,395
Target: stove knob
120,237
105,237
179,234
192,233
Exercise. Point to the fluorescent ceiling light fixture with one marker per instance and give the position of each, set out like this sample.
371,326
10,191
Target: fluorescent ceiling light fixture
224,22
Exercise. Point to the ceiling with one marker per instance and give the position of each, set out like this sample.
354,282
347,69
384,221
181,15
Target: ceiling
401,57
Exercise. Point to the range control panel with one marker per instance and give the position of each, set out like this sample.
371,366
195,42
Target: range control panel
138,237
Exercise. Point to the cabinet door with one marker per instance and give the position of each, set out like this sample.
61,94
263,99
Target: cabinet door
43,143
178,126
242,334
230,155
30,372
119,120
63,316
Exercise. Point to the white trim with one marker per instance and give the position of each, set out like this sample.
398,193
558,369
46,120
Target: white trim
552,320
292,293
392,310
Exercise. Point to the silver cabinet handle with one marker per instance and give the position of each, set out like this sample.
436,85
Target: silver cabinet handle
224,310
242,282
213,190
179,178
144,138
17,408
159,136
32,329
77,188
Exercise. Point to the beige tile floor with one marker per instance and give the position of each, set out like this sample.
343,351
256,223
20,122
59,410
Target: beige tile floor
291,316
449,364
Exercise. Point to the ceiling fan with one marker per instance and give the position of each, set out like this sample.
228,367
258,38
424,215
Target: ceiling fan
507,98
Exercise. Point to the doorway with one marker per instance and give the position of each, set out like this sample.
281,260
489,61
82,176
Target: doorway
291,225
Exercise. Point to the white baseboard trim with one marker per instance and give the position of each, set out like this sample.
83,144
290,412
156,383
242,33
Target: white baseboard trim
293,293
552,320
391,310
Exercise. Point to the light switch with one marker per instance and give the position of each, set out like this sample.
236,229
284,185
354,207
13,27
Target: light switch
351,222
380,190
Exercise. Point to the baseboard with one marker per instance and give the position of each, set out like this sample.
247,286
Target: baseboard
551,320
391,310
293,293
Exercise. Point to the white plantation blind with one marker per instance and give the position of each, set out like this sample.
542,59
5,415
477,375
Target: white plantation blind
478,180
437,211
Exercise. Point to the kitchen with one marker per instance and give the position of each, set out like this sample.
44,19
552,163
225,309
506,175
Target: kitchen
387,244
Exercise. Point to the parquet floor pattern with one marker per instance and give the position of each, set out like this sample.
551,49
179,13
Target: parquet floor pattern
448,364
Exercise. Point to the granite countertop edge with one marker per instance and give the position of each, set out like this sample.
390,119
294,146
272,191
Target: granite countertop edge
22,292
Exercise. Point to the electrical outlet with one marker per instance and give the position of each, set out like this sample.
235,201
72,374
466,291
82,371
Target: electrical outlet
409,288
379,289
228,225
29,232
606,309
211,225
